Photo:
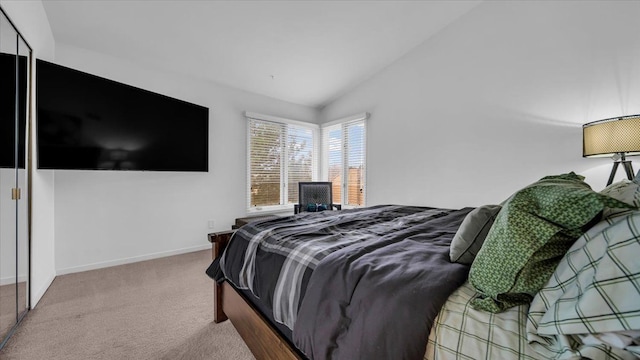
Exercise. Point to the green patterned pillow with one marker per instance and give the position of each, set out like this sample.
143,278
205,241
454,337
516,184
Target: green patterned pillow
530,235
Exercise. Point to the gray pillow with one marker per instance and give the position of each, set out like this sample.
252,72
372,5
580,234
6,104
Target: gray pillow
625,191
470,235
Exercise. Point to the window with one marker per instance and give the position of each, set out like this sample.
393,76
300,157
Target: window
344,159
281,153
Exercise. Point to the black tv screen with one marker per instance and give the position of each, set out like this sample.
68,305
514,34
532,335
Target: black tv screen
87,122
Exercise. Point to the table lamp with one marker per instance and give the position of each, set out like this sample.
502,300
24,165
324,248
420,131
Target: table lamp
617,137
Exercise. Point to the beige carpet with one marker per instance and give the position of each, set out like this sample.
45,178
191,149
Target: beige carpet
157,309
8,312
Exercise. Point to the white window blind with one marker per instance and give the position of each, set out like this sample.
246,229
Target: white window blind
280,154
344,159
265,173
332,156
300,156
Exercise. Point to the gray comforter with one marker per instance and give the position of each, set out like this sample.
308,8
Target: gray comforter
355,284
378,299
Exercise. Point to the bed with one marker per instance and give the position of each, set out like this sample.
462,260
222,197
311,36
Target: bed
379,282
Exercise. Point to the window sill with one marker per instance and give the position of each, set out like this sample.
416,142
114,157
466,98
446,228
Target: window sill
271,210
285,209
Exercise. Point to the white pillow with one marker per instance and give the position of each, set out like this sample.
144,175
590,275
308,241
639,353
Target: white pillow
596,286
625,191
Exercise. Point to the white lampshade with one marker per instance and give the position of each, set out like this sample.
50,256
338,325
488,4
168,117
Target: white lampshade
607,137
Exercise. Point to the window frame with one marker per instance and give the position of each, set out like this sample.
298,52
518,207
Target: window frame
284,168
343,124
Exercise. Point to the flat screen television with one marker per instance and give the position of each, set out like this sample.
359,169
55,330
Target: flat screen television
86,122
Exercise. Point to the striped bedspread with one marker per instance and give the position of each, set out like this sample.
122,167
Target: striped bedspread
357,262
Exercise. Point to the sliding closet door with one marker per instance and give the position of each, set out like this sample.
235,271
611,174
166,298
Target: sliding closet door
8,177
23,62
15,60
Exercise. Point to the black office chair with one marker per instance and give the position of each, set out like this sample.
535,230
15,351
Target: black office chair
315,196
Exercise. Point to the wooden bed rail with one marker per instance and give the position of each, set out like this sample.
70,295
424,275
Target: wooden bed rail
264,341
219,242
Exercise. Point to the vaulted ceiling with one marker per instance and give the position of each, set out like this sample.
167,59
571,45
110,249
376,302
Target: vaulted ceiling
304,52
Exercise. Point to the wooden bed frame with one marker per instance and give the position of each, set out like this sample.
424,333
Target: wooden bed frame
262,338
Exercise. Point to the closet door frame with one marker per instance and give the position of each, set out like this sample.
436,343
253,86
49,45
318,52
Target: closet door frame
23,185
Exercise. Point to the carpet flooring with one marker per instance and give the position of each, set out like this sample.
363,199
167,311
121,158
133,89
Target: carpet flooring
8,304
156,309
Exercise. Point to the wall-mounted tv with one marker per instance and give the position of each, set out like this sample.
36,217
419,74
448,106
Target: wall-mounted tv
86,122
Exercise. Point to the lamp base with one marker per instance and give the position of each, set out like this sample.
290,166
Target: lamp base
627,168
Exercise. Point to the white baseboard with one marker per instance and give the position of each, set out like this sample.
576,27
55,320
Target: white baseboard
38,294
110,263
12,280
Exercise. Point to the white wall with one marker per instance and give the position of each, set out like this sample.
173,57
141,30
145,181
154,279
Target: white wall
496,100
111,217
31,20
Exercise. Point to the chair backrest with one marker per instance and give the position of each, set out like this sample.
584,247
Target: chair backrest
315,192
